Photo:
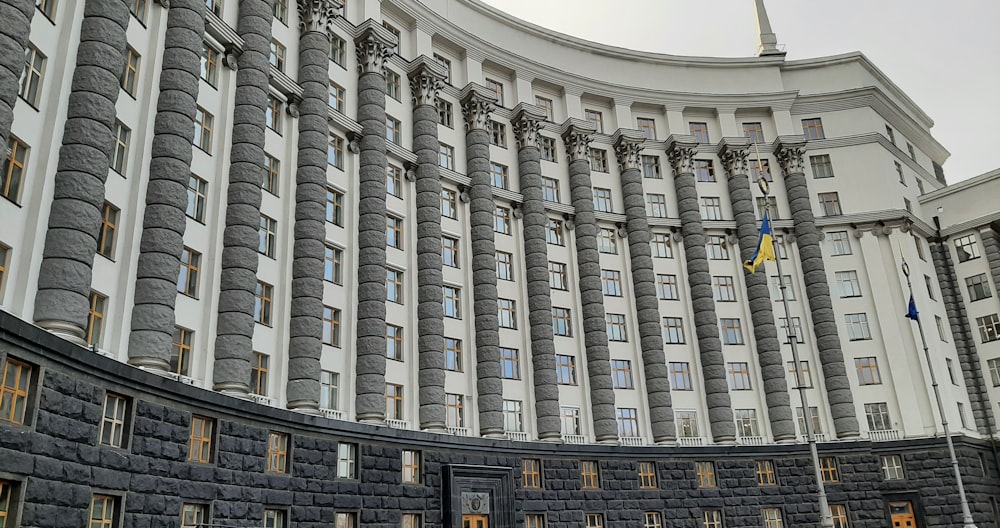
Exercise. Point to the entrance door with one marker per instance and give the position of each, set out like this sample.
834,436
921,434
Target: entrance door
902,514
475,521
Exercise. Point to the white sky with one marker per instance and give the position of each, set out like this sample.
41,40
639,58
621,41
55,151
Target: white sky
944,54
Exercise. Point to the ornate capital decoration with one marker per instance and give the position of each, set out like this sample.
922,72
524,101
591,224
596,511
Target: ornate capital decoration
629,153
425,88
317,15
577,143
790,159
735,161
373,46
526,131
681,158
477,108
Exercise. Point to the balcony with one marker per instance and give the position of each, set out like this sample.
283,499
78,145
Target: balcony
519,436
690,441
574,439
820,437
458,431
633,441
886,435
397,424
750,440
332,414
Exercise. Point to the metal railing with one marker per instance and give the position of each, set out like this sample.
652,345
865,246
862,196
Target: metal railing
690,441
458,431
750,440
397,424
633,441
884,435
520,436
333,414
574,439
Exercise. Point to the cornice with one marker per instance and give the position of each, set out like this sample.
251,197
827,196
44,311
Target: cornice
873,137
960,186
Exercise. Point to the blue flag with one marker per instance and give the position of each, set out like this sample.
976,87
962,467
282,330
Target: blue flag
911,310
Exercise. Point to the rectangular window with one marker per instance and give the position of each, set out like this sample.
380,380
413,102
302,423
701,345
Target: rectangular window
277,452
395,32
452,302
606,241
262,303
280,11
711,208
394,285
651,167
113,431
647,475
453,354
899,172
766,475
570,418
868,373
717,248
598,160
531,473
393,130
562,324
272,114
507,313
817,425
335,152
393,401
704,171
346,520
192,516
594,520
621,374
732,331
268,235
878,416
911,151
829,203
647,126
628,422
839,514
513,417
277,56
848,284
839,243
738,374
104,511
806,375
829,469
680,376
942,333
652,520
989,327
857,326
272,177
501,220
394,181
557,276
554,232
616,327
699,131
929,283
656,205
505,268
333,265
754,132
347,460
795,331
589,474
821,165
666,287
550,189
548,153
329,390
335,207
565,370
510,363
813,128
687,424
95,318
337,97
275,518
180,355
994,366
109,228
967,248
392,84
31,77
547,105
446,64
595,118
119,157
13,169
723,288
706,474
602,200
446,113
772,517
454,410
449,203
770,204
394,232
203,124
534,520
338,50
449,251
979,287
761,169
130,74
499,176
497,88
498,134
776,289
611,282
673,330
15,388
4,265
394,342
200,439
660,246
746,422
892,467
259,374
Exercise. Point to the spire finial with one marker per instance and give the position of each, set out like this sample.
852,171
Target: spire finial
767,41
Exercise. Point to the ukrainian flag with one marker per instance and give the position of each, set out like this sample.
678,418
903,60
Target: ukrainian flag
765,247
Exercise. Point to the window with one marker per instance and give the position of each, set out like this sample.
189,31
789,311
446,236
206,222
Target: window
203,123
754,132
505,269
738,375
411,466
194,515
329,390
989,327
680,376
813,128
534,520
570,418
200,439
829,469
331,326
647,475
704,171
602,199
829,203
453,354
647,126
723,289
839,514
766,475
180,354
821,165
513,418
109,228
498,135
769,203
611,282
979,287
942,334
892,467
687,423
347,460
772,517
507,313
606,241
394,285
271,179
890,134
446,64
621,374
746,422
113,421
449,203
717,249
393,402
268,234
197,191
673,330
501,220
899,172
795,331
499,176
652,519
660,246
497,88
651,167
761,169
259,374
857,326
455,410
878,416
546,104
95,318
595,118
562,324
346,520
806,379
557,276
446,113
337,97
776,288
280,11
103,511
598,160
554,232
966,248
711,208
699,131
868,373
449,251
394,232
712,519
394,342
452,302
706,474
510,363
47,7
277,452
338,50
616,328
333,265
4,264
656,205
262,303
847,283
628,422
275,518
994,366
130,74
566,370
392,84
666,287
394,180
335,152
594,520
589,474
15,387
548,153
335,207
911,151
930,287
119,156
277,56
393,129
732,332
531,472
13,169
839,243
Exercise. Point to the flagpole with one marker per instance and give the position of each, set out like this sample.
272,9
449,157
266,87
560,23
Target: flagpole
825,516
967,521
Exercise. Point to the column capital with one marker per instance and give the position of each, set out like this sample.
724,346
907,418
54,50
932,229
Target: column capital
426,80
680,153
790,150
577,134
478,103
373,46
734,153
628,148
317,15
527,122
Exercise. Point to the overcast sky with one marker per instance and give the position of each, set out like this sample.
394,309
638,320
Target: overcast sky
944,54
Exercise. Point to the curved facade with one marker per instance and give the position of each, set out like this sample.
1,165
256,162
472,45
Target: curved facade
592,207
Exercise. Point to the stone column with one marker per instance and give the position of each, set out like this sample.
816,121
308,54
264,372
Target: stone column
577,136
527,120
838,387
991,246
16,15
150,342
373,46
426,81
305,328
733,153
65,274
238,282
628,147
477,104
713,365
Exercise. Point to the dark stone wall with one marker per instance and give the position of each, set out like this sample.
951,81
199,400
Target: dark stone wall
59,465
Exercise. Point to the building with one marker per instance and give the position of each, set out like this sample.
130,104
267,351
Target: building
257,207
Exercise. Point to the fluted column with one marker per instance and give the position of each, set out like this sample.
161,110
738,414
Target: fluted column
527,120
16,15
305,328
477,104
426,78
838,387
373,47
734,154
65,274
628,148
151,339
577,136
713,364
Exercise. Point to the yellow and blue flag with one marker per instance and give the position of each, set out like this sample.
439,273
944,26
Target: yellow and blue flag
911,310
765,247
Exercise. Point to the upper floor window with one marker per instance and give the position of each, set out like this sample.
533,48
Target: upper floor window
393,85
548,149
393,130
13,169
449,203
651,167
699,131
446,158
498,134
821,165
979,287
335,207
595,118
507,313
911,151
660,246
550,189
505,266
611,281
277,56
606,241
680,376
394,181
201,439
130,74
280,11
813,128
109,229
704,171
656,205
510,363
711,208
497,88
967,248
446,64
546,105
272,114
262,303
647,126
621,374
565,370
31,77
717,248
598,160
337,97
754,132
338,50
989,327
446,113
829,203
501,220
15,391
203,123
602,199
95,318
260,374
616,327
840,244
499,176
